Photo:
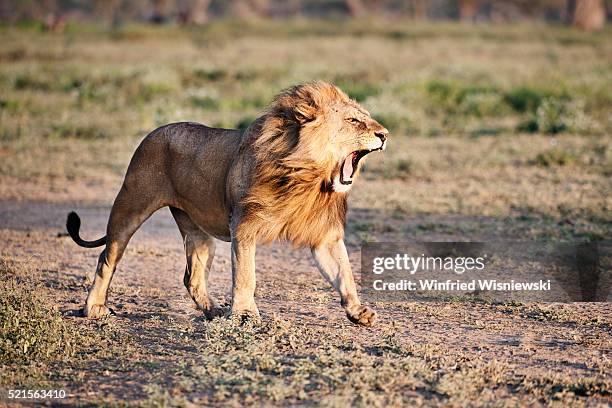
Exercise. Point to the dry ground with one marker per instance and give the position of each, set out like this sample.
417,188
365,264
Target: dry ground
498,135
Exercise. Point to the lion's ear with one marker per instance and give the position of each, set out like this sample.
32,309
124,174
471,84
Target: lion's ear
306,107
305,115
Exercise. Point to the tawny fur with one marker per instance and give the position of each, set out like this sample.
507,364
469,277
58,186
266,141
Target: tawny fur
291,197
276,180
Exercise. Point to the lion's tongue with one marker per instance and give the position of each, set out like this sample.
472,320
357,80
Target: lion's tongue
347,168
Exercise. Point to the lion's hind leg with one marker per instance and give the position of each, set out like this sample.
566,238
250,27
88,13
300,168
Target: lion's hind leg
200,250
127,215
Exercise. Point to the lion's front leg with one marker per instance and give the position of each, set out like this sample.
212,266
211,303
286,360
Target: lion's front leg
333,263
243,278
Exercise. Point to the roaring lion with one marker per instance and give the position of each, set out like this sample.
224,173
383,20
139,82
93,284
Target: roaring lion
286,177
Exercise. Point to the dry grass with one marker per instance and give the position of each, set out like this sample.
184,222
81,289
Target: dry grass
154,359
485,121
497,133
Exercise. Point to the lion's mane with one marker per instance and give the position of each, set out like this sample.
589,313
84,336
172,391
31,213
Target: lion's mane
290,195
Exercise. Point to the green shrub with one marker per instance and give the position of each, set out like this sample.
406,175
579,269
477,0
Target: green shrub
470,99
151,90
524,99
481,104
487,131
26,81
9,105
205,102
210,74
471,90
555,157
31,329
404,167
244,103
244,122
552,116
557,115
528,126
70,130
359,91
439,90
394,123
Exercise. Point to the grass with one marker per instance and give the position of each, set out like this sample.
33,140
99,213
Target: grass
151,358
497,133
35,337
475,128
31,328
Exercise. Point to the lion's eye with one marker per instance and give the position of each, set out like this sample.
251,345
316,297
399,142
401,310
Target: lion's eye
354,121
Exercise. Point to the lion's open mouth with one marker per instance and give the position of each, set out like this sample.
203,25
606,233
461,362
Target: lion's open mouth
349,166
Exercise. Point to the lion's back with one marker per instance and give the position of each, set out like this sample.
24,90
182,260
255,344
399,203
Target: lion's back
185,165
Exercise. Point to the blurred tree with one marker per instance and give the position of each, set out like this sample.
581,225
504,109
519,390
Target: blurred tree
160,11
359,8
467,10
246,9
356,8
108,10
194,12
50,15
587,14
418,9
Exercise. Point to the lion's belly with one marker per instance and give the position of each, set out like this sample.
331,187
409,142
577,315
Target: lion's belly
202,198
199,159
210,220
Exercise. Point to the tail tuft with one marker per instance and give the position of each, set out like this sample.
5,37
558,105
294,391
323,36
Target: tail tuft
73,225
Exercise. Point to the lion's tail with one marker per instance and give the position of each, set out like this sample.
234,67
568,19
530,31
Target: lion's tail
73,224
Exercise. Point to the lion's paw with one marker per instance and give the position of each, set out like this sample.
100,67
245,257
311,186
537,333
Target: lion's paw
96,311
216,311
246,315
364,316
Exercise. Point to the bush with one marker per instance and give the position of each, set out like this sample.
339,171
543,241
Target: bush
528,126
205,102
395,123
359,91
439,90
244,122
470,99
557,115
523,99
210,74
552,116
25,81
481,104
31,329
555,157
70,130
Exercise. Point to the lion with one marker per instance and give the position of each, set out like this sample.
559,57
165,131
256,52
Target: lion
286,177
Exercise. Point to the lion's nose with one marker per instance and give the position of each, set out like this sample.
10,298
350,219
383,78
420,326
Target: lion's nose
381,135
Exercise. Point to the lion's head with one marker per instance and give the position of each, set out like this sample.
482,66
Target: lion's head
319,123
308,148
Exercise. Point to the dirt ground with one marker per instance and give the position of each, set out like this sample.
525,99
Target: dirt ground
458,352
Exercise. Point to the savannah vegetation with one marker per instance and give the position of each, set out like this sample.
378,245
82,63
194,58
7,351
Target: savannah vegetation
497,133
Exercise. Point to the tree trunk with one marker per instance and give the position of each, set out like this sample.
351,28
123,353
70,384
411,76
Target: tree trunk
248,9
355,8
160,11
195,12
589,14
419,9
467,10
107,9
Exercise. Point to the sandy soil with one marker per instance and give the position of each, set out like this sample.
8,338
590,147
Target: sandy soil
150,301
